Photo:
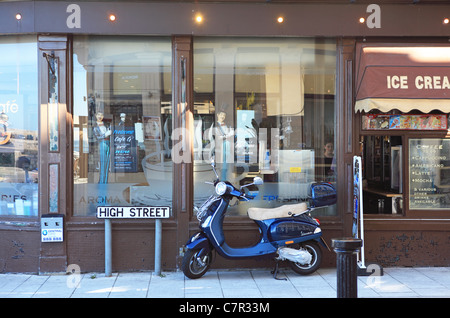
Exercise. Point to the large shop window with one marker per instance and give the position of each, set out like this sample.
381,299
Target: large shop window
265,107
122,122
405,154
402,94
18,126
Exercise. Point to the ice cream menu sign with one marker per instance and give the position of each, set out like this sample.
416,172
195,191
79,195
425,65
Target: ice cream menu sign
429,174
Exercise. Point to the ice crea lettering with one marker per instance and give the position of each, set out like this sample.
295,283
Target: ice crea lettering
432,82
420,82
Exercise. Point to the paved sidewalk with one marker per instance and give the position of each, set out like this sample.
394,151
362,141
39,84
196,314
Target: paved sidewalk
423,282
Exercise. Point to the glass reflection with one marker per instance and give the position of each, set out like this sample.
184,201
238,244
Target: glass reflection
265,107
122,122
18,126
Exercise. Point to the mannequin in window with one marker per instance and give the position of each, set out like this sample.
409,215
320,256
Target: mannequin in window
223,135
102,133
123,120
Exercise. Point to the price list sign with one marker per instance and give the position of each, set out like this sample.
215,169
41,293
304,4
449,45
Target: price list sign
429,174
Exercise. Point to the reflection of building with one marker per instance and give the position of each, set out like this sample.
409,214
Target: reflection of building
20,144
321,74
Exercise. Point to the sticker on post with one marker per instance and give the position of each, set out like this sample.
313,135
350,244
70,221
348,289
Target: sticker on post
127,212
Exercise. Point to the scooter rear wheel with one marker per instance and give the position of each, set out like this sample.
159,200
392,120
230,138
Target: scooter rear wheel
304,269
194,266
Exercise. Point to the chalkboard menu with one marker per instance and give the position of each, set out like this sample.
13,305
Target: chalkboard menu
124,149
429,174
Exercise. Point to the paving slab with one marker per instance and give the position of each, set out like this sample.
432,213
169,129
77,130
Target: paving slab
421,282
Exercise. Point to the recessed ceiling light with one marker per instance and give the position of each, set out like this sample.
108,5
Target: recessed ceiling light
199,18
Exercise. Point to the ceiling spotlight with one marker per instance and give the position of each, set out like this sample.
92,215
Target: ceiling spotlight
446,21
112,17
362,20
199,18
280,19
18,16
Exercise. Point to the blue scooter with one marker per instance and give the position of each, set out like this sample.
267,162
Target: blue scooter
287,232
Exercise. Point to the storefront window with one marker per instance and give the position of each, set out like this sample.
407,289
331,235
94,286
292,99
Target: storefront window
18,126
429,174
396,162
122,122
401,92
265,107
383,175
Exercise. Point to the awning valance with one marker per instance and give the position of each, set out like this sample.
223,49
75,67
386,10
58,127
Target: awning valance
403,77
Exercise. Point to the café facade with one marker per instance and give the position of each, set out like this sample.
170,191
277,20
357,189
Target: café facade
122,104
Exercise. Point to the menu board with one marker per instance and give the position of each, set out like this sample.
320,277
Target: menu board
124,149
429,174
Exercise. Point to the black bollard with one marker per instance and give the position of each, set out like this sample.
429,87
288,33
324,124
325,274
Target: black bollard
347,272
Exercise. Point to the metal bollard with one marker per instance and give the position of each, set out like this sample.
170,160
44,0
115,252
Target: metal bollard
347,271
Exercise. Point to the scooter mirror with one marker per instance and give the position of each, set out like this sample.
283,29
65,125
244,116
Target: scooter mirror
213,165
257,181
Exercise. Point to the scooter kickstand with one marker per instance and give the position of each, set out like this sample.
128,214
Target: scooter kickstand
275,272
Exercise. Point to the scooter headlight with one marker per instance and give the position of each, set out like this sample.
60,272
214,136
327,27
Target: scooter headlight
221,188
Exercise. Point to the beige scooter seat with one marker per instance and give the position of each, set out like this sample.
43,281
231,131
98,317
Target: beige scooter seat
283,211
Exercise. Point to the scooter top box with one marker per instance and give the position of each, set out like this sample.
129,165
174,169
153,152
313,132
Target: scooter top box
323,194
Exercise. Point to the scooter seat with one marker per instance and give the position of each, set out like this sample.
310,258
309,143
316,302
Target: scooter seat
283,211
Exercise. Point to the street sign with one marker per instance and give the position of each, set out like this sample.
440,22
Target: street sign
127,212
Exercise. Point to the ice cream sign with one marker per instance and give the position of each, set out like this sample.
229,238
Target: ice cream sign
418,82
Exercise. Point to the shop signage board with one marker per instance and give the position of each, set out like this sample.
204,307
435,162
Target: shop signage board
124,149
133,212
358,224
429,173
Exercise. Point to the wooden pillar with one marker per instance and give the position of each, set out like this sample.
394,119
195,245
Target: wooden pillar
182,145
53,149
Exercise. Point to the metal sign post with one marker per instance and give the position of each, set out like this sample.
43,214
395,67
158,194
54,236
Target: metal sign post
158,241
108,248
125,212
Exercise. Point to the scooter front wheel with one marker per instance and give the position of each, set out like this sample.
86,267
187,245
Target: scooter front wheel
304,269
194,266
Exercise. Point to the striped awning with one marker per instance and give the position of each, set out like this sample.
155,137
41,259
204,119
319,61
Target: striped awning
405,77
